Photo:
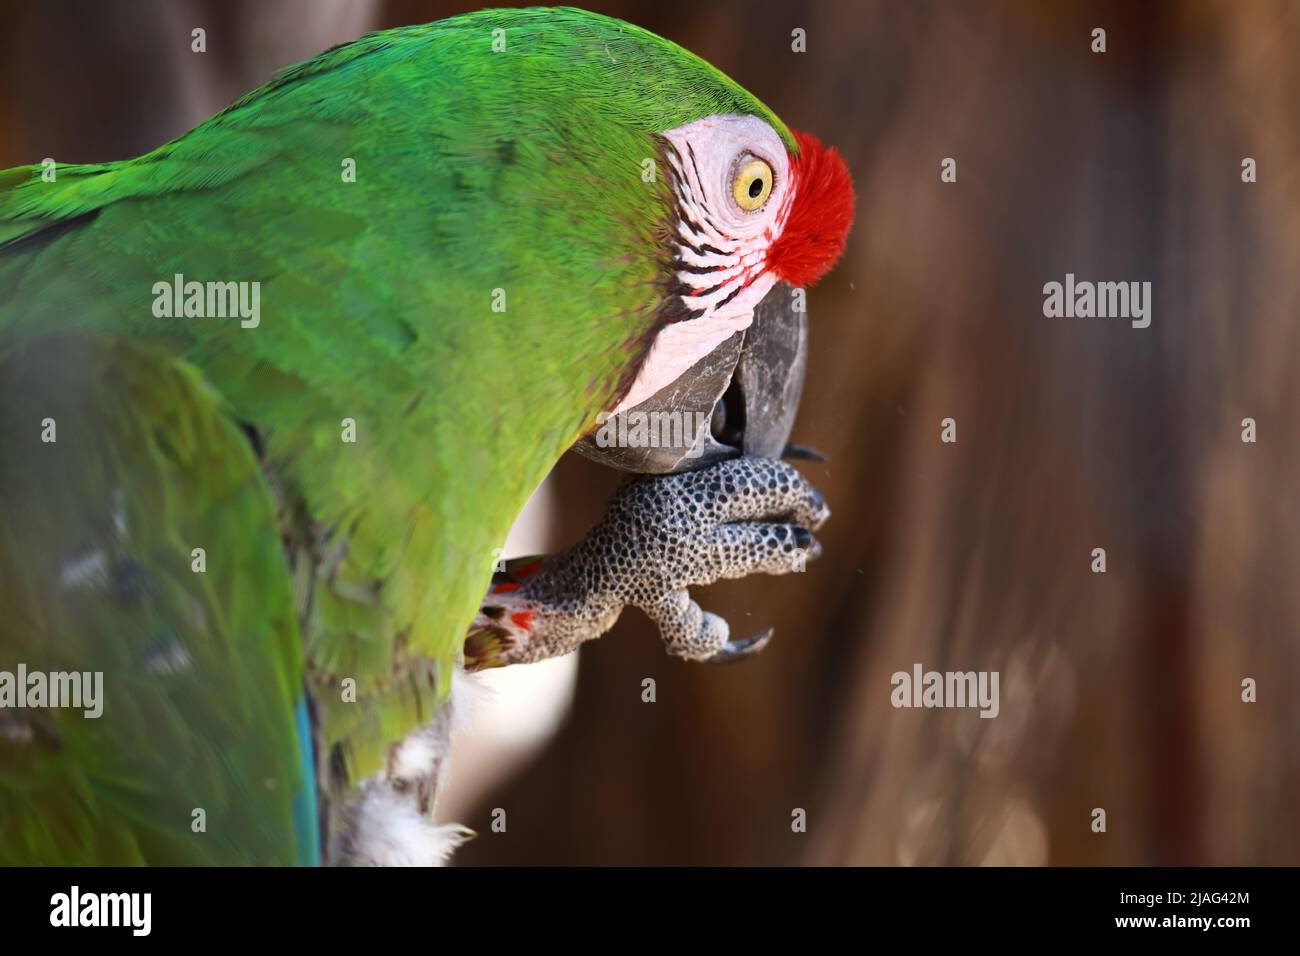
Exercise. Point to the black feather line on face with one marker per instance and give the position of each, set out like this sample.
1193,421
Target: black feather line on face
703,247
681,265
695,165
686,218
675,310
734,292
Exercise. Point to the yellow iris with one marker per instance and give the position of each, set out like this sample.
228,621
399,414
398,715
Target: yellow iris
752,185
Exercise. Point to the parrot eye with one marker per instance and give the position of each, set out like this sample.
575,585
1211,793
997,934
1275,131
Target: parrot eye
752,184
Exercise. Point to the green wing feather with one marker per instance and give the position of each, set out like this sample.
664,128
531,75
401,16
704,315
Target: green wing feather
201,671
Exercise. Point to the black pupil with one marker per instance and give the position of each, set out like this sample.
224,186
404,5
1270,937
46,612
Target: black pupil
755,188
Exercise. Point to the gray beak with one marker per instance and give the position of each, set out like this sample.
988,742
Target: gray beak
741,398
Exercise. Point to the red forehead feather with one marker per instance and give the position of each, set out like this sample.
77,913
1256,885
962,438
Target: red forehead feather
819,220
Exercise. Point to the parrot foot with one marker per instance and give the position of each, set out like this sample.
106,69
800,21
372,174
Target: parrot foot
660,535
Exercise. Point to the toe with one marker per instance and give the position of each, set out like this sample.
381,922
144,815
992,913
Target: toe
749,489
759,548
688,631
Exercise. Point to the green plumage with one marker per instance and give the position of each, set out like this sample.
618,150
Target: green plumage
477,170
96,564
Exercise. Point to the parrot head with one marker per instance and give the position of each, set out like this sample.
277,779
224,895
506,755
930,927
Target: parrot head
754,222
747,213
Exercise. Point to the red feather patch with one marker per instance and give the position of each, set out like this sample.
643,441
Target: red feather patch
819,221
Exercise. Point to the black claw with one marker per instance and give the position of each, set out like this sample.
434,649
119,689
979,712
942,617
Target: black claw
802,538
802,453
738,650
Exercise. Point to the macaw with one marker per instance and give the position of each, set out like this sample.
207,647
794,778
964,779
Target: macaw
272,394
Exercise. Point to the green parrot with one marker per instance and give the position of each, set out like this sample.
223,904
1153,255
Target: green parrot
272,395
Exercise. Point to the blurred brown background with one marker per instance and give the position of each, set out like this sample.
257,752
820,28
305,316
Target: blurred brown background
1119,690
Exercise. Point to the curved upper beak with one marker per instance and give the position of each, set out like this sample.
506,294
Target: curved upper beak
741,398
